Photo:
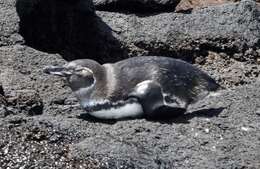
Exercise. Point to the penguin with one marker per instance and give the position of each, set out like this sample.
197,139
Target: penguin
144,86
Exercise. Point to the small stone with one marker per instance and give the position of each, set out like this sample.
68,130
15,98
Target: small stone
258,111
213,148
58,101
221,138
245,128
200,60
6,150
2,90
258,61
238,56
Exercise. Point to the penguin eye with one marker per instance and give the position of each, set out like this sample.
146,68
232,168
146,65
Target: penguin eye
78,69
82,71
85,72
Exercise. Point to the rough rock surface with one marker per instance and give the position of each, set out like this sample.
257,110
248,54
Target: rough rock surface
228,71
220,131
43,126
230,28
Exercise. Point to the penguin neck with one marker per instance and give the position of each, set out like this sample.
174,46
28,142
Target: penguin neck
97,92
110,79
102,89
84,94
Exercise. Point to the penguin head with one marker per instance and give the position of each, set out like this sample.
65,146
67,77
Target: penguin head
78,76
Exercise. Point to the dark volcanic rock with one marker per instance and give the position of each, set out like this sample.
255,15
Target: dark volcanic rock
228,71
2,90
140,6
9,24
27,101
220,131
39,143
229,28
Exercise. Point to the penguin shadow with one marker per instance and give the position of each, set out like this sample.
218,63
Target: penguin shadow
91,119
185,117
164,116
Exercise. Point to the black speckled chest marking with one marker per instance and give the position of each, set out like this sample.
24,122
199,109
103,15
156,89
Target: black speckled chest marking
108,105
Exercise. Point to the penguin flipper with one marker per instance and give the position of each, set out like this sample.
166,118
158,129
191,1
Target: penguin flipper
149,94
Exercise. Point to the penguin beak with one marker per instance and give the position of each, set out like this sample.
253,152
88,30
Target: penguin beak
57,71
